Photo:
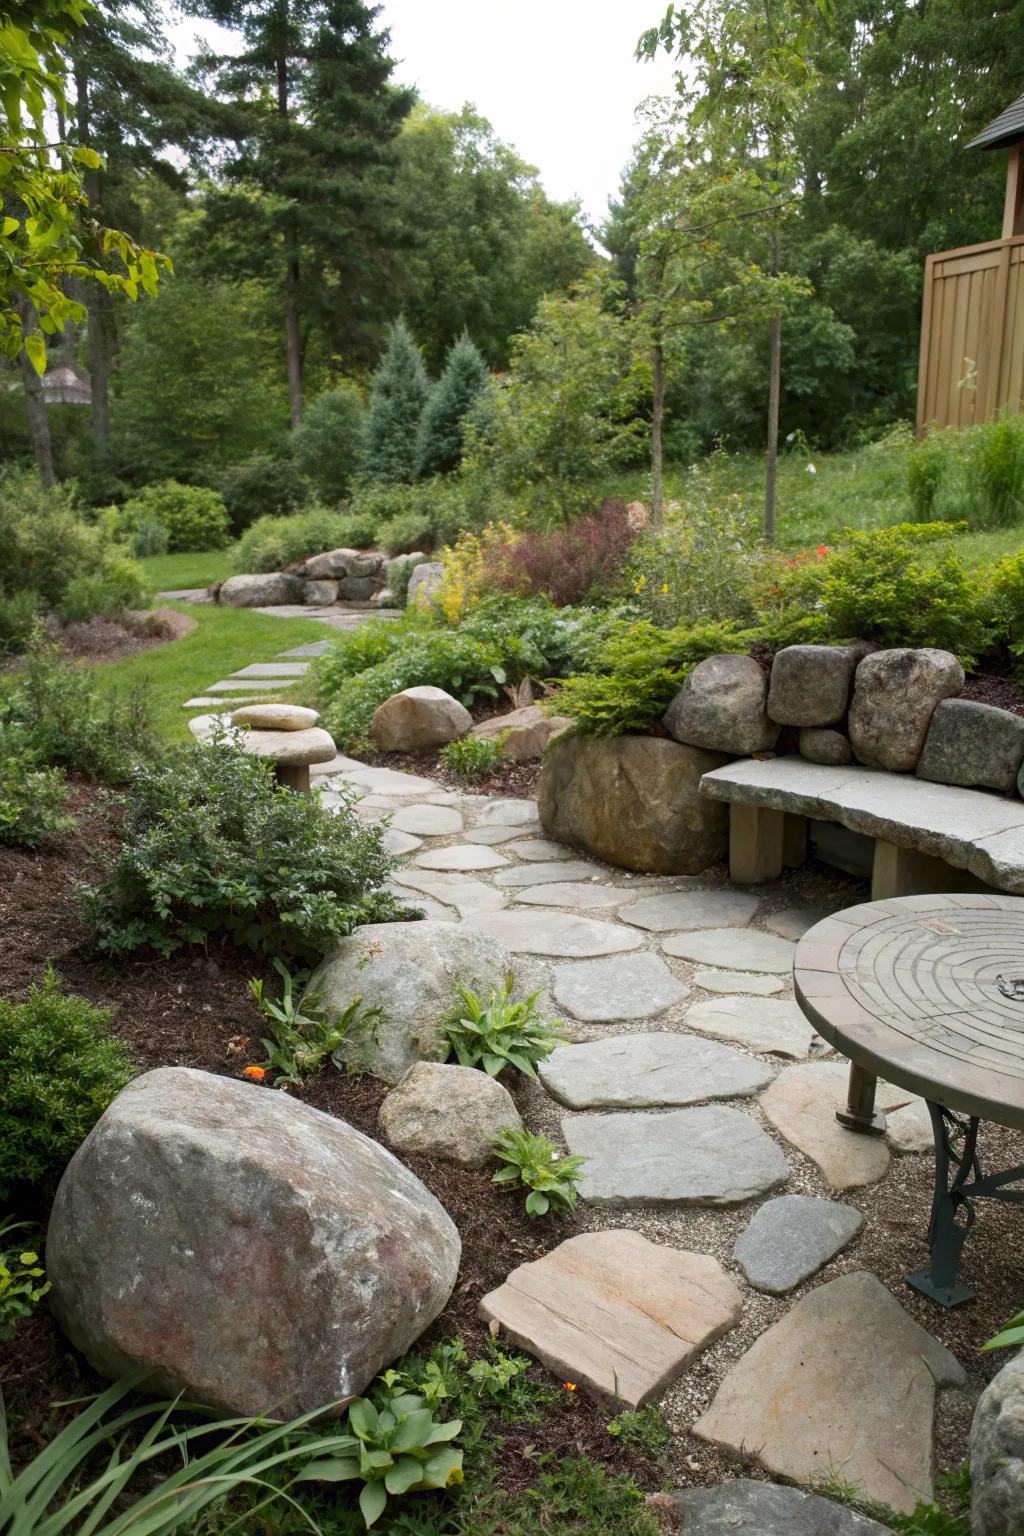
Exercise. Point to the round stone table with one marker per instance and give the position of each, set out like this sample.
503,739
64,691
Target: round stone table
928,993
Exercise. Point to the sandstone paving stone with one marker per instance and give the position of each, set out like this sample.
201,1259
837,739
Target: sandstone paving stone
451,1112
554,933
739,981
204,702
538,849
793,922
772,1025
712,1155
735,949
674,910
615,1313
508,813
469,897
338,764
249,685
490,835
572,893
313,648
545,873
618,988
745,1507
428,820
462,858
844,1383
432,910
791,1237
650,1071
802,1104
388,781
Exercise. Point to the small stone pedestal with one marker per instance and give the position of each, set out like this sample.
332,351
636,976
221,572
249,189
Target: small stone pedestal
289,736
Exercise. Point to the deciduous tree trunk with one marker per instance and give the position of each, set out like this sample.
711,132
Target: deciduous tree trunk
657,418
96,299
772,454
292,334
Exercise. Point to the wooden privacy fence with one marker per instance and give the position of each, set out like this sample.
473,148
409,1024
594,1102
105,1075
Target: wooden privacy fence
972,334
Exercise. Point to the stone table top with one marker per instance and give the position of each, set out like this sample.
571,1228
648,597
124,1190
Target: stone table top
927,992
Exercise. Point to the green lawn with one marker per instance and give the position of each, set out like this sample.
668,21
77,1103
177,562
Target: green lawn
226,639
172,573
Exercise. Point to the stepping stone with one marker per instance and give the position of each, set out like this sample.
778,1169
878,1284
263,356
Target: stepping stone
844,1383
338,764
509,813
707,1156
314,648
652,1071
273,669
739,981
490,835
547,874
207,703
746,949
537,849
555,933
744,1507
791,1237
909,1129
388,781
691,909
793,922
774,1025
626,987
443,797
432,910
468,897
614,1313
462,858
572,893
250,684
400,842
802,1104
428,820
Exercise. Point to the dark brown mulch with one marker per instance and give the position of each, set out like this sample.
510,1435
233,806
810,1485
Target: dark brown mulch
1003,692
516,781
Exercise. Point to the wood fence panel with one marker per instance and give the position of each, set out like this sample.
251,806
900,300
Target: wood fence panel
972,335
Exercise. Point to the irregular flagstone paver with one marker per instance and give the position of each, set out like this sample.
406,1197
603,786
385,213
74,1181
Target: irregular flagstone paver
314,648
273,669
618,988
773,1025
207,703
509,813
571,893
388,781
555,933
743,949
707,1156
400,842
487,836
845,1384
615,1313
909,1128
650,1071
462,858
739,981
428,820
338,764
793,922
431,909
547,874
468,897
691,909
789,1238
802,1104
743,1507
250,685
537,849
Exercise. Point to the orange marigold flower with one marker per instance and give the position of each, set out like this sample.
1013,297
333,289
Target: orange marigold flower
256,1073
570,1386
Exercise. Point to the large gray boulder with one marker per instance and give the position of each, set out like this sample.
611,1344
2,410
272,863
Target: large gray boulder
411,973
743,1507
319,594
633,801
334,564
974,745
997,1455
417,719
244,1249
270,590
895,694
449,1112
722,707
424,585
810,684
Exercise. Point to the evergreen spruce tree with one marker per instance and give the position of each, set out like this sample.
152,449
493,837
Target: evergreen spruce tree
400,392
439,447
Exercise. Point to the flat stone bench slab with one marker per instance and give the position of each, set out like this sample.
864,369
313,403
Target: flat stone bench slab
972,830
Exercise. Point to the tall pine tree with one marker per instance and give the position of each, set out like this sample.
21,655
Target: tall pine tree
400,392
439,445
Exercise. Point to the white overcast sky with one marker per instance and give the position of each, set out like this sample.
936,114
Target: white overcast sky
556,78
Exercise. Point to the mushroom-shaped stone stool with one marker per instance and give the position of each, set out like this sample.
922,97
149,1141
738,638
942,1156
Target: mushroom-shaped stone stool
287,734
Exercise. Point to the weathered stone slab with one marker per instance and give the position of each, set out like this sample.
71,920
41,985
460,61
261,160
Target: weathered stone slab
744,1507
462,858
789,1238
620,1316
997,1454
739,981
772,1025
894,696
845,1382
490,835
793,922
674,910
446,1111
508,813
555,933
467,896
547,873
810,684
618,988
275,717
706,1156
802,1104
428,820
650,1071
274,669
400,843
388,781
539,849
738,949
573,893
974,745
721,707
251,685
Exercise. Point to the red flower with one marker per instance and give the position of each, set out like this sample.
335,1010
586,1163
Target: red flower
255,1074
821,551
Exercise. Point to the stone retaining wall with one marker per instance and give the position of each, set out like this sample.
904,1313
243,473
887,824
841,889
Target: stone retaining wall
336,576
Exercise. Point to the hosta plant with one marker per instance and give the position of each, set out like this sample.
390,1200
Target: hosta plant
502,1032
535,1164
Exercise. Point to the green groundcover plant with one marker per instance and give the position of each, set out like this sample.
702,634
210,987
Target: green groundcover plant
534,1164
504,1031
23,1282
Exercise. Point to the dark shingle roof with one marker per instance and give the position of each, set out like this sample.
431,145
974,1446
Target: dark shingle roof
1007,128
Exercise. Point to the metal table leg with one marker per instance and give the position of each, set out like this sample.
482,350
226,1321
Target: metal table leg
859,1114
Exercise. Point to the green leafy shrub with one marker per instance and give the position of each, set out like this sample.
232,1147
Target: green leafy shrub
59,1069
327,444
399,393
700,568
302,1038
404,533
533,1163
114,590
214,846
31,798
23,1282
503,1032
263,485
19,614
472,757
440,505
195,516
271,543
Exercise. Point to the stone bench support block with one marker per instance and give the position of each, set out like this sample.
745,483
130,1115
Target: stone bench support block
756,844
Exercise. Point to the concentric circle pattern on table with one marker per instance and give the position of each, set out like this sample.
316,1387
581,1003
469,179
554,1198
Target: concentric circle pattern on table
927,991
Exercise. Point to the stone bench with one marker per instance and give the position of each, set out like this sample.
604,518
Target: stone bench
925,834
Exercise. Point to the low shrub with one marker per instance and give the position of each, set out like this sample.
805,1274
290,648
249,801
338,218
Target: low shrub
976,474
503,1032
534,1164
19,614
31,798
215,846
700,568
439,505
404,533
23,1282
471,757
59,1069
115,589
472,568
263,485
1004,606
327,444
570,564
195,516
271,543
